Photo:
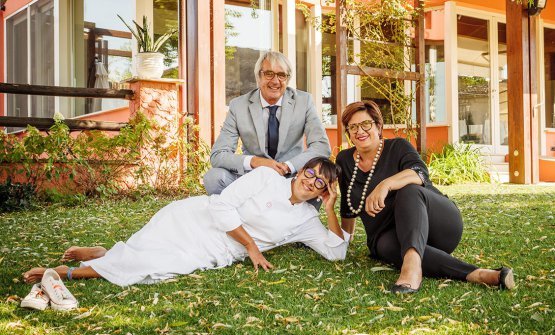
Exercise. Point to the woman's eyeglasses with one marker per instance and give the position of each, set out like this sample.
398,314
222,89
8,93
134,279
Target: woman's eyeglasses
319,183
365,125
282,76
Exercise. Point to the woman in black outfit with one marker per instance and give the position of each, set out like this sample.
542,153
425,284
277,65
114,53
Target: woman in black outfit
408,221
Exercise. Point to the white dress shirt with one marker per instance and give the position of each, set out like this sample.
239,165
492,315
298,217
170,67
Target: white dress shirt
265,117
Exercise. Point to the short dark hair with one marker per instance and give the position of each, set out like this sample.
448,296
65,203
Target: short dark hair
328,169
368,106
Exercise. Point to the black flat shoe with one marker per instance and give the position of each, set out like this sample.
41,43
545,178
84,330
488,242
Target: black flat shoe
506,278
403,289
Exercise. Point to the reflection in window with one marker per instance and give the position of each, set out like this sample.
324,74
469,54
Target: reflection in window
503,98
549,59
31,66
16,52
329,115
301,46
42,55
474,80
165,19
435,67
248,32
102,42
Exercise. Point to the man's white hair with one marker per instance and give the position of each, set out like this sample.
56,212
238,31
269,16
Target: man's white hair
273,57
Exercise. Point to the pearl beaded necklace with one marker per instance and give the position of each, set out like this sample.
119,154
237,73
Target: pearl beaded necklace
365,189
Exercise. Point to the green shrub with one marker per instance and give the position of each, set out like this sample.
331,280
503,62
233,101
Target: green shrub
144,156
457,164
16,196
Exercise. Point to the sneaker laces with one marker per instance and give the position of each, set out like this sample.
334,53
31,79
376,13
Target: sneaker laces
59,290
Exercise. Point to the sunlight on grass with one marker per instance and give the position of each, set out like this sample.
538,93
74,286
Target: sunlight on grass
504,225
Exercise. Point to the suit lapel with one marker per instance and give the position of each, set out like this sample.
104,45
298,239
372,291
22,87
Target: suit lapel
287,107
255,108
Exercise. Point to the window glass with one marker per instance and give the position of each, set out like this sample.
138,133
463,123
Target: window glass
102,44
435,67
329,115
549,58
301,46
474,80
42,55
503,76
166,18
17,66
248,32
32,27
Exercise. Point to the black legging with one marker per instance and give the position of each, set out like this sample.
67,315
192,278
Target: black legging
431,224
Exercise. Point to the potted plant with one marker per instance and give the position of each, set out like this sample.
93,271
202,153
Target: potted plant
149,62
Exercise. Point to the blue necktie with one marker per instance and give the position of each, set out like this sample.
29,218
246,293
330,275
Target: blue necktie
273,131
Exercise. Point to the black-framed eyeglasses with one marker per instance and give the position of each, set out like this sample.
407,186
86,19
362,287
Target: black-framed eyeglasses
365,125
319,183
282,76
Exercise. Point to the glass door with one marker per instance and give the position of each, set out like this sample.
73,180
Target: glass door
482,83
474,80
503,101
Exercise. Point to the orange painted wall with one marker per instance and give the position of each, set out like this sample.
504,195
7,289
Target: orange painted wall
495,5
13,6
547,169
548,14
437,138
114,115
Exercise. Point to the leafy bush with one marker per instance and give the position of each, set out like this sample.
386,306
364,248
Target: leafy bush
16,196
458,163
145,156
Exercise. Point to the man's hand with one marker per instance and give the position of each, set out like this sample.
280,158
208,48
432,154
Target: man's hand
281,168
257,258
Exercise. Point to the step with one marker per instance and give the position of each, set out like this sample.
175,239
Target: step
498,167
493,158
499,177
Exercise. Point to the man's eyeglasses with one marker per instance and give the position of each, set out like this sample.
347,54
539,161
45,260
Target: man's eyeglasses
282,76
319,183
365,125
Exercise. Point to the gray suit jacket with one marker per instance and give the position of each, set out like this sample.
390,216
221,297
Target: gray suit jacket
244,121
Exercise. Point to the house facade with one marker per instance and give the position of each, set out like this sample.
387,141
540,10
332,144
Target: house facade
63,42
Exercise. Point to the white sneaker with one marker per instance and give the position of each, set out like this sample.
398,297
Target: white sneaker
60,297
36,299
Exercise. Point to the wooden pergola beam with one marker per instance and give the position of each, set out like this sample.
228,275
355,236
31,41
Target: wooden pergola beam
60,91
522,84
420,61
42,123
382,73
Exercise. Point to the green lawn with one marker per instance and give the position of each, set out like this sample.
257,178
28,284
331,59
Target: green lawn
505,225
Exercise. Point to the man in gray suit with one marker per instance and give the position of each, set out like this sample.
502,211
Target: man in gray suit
270,121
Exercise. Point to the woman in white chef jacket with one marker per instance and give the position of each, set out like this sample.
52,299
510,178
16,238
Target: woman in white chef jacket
259,211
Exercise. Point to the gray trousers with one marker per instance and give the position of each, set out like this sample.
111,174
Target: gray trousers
216,179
